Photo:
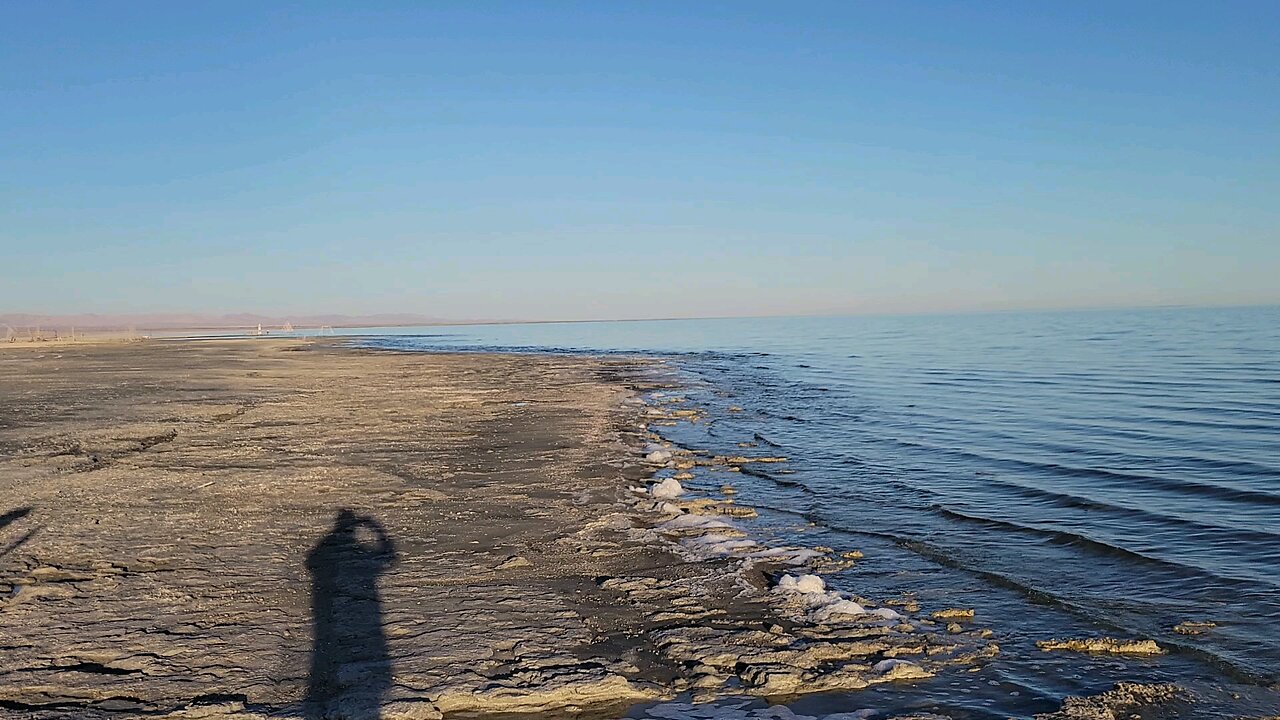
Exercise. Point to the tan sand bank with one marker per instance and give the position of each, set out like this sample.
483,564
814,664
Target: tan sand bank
275,527
47,341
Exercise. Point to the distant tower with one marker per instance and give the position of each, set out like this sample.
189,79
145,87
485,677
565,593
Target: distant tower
287,327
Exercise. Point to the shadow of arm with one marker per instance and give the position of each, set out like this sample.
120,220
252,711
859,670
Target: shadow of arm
386,546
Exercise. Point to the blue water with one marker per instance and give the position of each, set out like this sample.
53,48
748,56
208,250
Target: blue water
1067,474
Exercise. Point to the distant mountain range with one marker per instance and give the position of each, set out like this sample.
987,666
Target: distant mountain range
194,321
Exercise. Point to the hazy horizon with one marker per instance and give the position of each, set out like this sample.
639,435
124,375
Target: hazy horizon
567,161
181,321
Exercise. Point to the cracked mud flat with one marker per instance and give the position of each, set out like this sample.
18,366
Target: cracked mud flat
284,529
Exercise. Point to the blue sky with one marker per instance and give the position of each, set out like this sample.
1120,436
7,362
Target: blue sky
528,160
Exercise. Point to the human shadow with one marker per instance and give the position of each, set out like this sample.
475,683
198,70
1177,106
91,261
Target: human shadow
8,519
350,665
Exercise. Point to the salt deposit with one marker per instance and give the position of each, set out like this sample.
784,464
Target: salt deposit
667,489
837,609
801,584
659,456
687,525
885,666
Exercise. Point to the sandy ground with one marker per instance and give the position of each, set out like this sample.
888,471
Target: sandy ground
282,528
23,341
164,502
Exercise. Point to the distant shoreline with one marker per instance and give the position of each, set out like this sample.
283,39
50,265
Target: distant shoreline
24,323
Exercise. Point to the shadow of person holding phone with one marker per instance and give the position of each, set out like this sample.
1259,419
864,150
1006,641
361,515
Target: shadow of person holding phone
350,664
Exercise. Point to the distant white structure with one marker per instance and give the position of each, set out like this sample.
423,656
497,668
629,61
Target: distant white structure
287,327
326,330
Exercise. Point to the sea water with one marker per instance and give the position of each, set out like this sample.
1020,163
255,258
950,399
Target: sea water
1066,474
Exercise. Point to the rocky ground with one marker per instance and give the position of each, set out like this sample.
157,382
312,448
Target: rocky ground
280,528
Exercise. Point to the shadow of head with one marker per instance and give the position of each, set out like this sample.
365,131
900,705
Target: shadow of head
346,521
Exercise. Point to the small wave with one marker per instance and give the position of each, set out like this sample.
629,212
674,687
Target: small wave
762,439
1181,485
1241,670
1155,518
776,478
1098,547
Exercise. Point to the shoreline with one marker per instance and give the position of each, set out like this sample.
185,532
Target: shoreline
179,538
179,511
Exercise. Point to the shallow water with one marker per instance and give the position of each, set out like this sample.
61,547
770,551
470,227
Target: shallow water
1066,474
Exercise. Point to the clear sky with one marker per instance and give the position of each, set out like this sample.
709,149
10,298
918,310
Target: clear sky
636,159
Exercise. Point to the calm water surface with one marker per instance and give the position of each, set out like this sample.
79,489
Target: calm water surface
1064,473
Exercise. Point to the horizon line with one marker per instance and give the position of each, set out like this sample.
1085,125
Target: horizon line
443,322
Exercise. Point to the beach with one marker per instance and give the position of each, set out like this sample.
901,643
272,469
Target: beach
170,497
175,509
293,528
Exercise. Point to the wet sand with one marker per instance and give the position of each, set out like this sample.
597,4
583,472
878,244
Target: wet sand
281,528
